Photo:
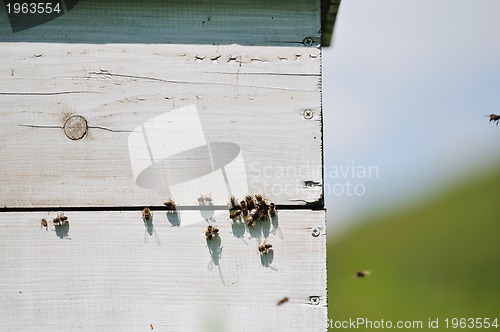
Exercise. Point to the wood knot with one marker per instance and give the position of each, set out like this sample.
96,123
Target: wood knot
75,127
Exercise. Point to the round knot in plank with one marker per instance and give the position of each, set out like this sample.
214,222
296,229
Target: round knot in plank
75,127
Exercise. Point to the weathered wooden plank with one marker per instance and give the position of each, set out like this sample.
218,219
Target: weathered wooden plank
109,272
145,104
241,22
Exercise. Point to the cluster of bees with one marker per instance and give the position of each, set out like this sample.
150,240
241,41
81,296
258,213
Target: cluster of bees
251,209
59,220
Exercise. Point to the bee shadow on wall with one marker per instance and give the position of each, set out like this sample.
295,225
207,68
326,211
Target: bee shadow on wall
255,231
208,215
276,227
266,227
266,260
62,230
238,229
150,231
174,219
215,251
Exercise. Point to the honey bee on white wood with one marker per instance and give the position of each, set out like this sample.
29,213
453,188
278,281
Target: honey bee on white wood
43,223
60,219
170,204
211,232
146,214
272,210
205,200
265,248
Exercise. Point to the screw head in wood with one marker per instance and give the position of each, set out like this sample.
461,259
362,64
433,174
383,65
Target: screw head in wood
75,127
315,232
308,41
308,114
314,300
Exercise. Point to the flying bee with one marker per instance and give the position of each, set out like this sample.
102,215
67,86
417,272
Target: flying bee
60,219
43,223
265,248
170,204
494,117
146,214
250,202
363,273
272,210
151,326
283,300
211,232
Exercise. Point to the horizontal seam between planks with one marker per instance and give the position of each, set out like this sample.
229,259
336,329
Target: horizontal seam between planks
156,208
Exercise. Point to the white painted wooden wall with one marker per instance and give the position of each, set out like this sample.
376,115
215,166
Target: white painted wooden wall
254,83
109,274
254,97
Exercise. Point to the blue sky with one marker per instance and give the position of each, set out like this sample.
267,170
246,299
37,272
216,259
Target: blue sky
405,88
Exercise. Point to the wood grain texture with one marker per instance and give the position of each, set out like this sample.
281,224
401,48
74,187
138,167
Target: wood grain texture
252,97
227,22
107,273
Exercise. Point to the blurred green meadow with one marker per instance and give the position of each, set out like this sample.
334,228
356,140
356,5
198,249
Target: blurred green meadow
438,259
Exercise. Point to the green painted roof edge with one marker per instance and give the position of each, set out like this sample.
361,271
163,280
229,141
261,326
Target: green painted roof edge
329,10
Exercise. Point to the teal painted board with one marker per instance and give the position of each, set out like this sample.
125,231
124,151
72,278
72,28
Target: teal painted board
267,23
